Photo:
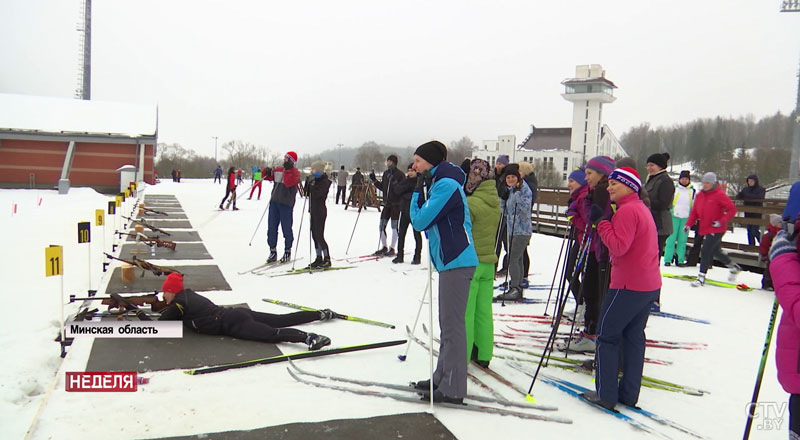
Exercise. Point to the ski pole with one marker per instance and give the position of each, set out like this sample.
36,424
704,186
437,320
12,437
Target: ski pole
258,225
347,251
402,357
299,230
751,411
567,232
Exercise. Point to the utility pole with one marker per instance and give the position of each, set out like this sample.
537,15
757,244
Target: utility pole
340,154
84,90
794,165
215,147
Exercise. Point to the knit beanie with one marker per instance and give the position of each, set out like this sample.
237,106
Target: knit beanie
579,176
628,177
318,166
511,170
434,152
686,174
393,159
173,283
602,164
660,159
709,177
410,166
502,159
291,156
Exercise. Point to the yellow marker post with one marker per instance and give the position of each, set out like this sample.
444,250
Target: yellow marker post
99,220
85,236
54,266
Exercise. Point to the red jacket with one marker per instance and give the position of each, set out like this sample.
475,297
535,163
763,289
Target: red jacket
632,243
709,206
231,181
766,242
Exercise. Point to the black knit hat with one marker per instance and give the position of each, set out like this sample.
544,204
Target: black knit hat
511,169
686,174
434,152
392,158
660,159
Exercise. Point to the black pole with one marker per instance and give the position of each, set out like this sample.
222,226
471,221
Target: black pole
760,376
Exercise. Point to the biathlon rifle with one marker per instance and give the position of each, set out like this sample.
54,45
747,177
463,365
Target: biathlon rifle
144,265
114,303
147,225
151,241
153,211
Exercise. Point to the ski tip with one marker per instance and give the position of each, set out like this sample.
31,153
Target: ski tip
189,372
392,327
530,399
402,357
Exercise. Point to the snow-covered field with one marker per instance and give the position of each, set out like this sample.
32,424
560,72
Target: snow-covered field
174,403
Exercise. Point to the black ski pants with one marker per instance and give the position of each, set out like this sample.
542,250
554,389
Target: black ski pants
265,327
318,230
405,221
595,284
341,190
229,192
712,247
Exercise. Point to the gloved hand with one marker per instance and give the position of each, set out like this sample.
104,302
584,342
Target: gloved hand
428,178
420,182
372,176
596,214
716,223
686,229
781,244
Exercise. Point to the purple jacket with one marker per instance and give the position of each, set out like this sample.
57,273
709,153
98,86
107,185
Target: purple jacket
785,270
598,196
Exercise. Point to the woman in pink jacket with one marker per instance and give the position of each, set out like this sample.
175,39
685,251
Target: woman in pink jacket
713,209
632,244
785,270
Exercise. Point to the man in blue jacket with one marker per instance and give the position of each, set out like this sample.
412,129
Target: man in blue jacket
444,217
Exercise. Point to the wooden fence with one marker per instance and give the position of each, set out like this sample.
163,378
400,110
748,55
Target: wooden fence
551,204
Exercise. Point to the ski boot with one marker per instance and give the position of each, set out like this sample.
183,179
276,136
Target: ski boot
417,259
326,314
398,259
316,264
381,252
287,256
315,341
514,294
326,262
389,253
273,256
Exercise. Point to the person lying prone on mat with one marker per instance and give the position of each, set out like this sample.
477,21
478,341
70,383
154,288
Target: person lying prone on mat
203,316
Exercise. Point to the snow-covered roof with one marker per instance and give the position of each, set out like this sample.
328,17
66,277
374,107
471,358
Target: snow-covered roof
46,115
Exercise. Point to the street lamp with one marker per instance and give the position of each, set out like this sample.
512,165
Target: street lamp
794,165
340,154
215,146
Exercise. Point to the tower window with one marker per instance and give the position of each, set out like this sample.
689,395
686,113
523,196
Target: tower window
566,164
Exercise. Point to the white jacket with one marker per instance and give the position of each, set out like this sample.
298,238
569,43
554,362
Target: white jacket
683,200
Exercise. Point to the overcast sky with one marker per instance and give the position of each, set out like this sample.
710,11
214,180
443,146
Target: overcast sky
309,75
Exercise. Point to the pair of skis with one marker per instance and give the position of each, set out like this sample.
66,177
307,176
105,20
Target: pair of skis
338,315
262,268
741,286
577,391
410,394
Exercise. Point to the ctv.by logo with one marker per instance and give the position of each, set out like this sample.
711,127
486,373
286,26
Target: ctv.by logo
767,416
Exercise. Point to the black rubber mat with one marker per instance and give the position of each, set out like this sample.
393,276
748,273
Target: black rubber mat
198,278
157,354
172,216
183,251
176,236
166,224
395,426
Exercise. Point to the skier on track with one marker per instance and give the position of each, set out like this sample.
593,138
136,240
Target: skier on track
203,316
318,188
391,204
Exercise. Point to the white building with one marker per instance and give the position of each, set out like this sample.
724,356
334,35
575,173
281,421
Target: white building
566,148
490,149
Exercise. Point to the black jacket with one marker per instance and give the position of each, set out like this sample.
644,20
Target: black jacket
661,190
404,189
358,179
318,192
196,311
390,178
755,192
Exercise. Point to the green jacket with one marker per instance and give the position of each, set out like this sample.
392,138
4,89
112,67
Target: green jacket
484,210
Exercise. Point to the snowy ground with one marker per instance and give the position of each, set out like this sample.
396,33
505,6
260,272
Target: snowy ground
174,403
